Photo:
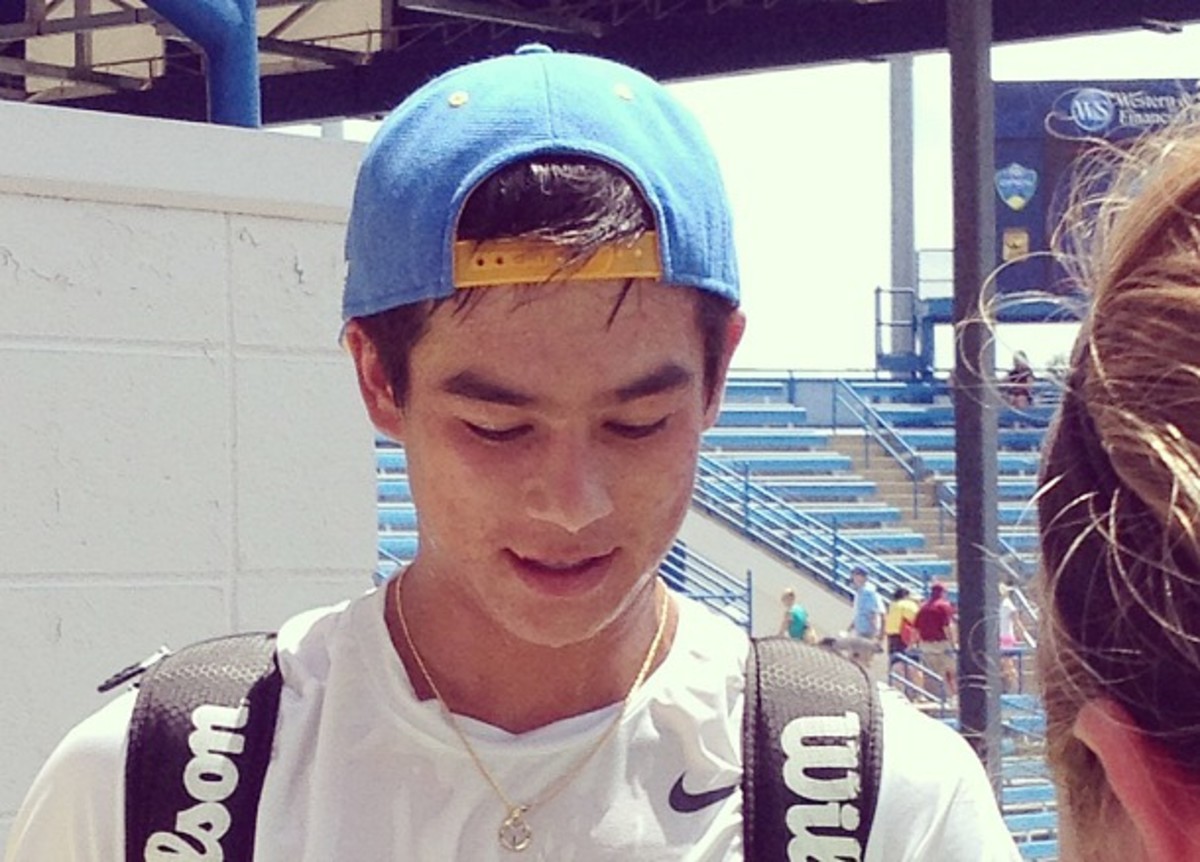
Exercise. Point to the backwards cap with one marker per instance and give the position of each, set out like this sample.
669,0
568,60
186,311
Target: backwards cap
451,134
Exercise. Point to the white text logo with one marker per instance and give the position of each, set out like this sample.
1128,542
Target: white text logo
210,777
822,768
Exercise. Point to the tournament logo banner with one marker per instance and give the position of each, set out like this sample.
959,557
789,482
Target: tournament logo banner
1044,132
1016,185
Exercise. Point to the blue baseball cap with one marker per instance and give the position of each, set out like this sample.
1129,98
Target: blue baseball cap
442,141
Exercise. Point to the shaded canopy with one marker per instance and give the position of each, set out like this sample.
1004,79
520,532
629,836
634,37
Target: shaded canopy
334,58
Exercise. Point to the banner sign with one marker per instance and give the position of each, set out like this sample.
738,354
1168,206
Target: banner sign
1044,131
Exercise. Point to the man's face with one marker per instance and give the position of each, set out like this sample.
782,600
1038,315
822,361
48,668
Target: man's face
551,452
858,579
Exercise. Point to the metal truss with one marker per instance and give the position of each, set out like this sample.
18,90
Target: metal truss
328,58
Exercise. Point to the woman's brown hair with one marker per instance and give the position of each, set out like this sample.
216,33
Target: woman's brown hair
1119,496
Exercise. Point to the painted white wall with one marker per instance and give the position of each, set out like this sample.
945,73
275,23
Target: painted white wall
182,449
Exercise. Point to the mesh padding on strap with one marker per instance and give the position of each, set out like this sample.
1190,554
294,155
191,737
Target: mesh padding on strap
199,743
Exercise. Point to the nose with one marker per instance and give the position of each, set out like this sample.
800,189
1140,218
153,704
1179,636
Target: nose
568,487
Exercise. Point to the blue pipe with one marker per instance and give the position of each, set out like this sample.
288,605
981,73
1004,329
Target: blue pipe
227,31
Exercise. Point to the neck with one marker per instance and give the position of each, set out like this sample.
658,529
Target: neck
484,672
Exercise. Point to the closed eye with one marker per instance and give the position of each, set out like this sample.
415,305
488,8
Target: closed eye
636,432
496,435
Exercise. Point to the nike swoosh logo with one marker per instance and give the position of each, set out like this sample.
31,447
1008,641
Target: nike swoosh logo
685,803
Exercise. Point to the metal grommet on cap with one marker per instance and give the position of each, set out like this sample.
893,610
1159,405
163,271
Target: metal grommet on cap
623,92
534,48
458,98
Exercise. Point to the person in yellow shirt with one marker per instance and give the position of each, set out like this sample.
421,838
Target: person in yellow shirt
898,625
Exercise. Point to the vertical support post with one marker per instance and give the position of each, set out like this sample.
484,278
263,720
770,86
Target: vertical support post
83,38
227,31
746,496
750,599
904,266
969,36
834,551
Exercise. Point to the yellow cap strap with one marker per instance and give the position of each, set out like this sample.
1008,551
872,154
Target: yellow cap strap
516,261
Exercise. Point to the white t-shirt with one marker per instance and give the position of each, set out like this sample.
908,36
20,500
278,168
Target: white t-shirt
1008,621
362,770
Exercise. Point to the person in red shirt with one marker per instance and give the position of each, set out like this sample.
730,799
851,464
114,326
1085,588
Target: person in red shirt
938,635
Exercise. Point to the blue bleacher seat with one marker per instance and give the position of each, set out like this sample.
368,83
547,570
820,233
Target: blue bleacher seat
1020,540
773,439
942,439
1030,795
942,414
392,460
889,542
924,569
1024,767
1039,849
394,490
854,515
402,545
397,516
755,390
818,490
1012,514
1008,488
1006,463
784,463
1032,821
782,416
904,391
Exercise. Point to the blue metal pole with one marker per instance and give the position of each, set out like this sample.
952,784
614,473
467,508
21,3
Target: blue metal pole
227,31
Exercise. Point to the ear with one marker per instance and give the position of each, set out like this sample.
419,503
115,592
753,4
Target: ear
1161,804
373,383
734,330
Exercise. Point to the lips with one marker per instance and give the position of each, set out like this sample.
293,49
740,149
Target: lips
562,575
560,566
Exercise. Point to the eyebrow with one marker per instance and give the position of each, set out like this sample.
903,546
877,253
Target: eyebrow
665,378
469,384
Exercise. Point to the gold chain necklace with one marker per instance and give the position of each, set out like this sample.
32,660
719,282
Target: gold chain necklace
515,833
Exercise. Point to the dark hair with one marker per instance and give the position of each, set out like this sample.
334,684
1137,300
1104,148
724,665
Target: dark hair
900,593
578,203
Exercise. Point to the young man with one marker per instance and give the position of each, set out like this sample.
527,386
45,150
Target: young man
541,305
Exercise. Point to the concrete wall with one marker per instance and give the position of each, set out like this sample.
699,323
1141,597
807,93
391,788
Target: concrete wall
182,450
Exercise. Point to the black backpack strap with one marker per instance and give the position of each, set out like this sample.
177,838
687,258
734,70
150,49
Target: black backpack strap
199,743
812,753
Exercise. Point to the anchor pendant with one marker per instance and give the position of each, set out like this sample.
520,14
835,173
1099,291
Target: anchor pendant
516,834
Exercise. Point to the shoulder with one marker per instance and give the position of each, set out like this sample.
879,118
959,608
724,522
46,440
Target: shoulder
75,807
308,642
705,633
948,813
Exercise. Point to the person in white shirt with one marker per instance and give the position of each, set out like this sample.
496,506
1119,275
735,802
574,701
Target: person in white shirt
541,305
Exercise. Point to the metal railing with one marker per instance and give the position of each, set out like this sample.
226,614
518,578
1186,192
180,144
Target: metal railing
1007,557
903,681
805,541
694,576
878,429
